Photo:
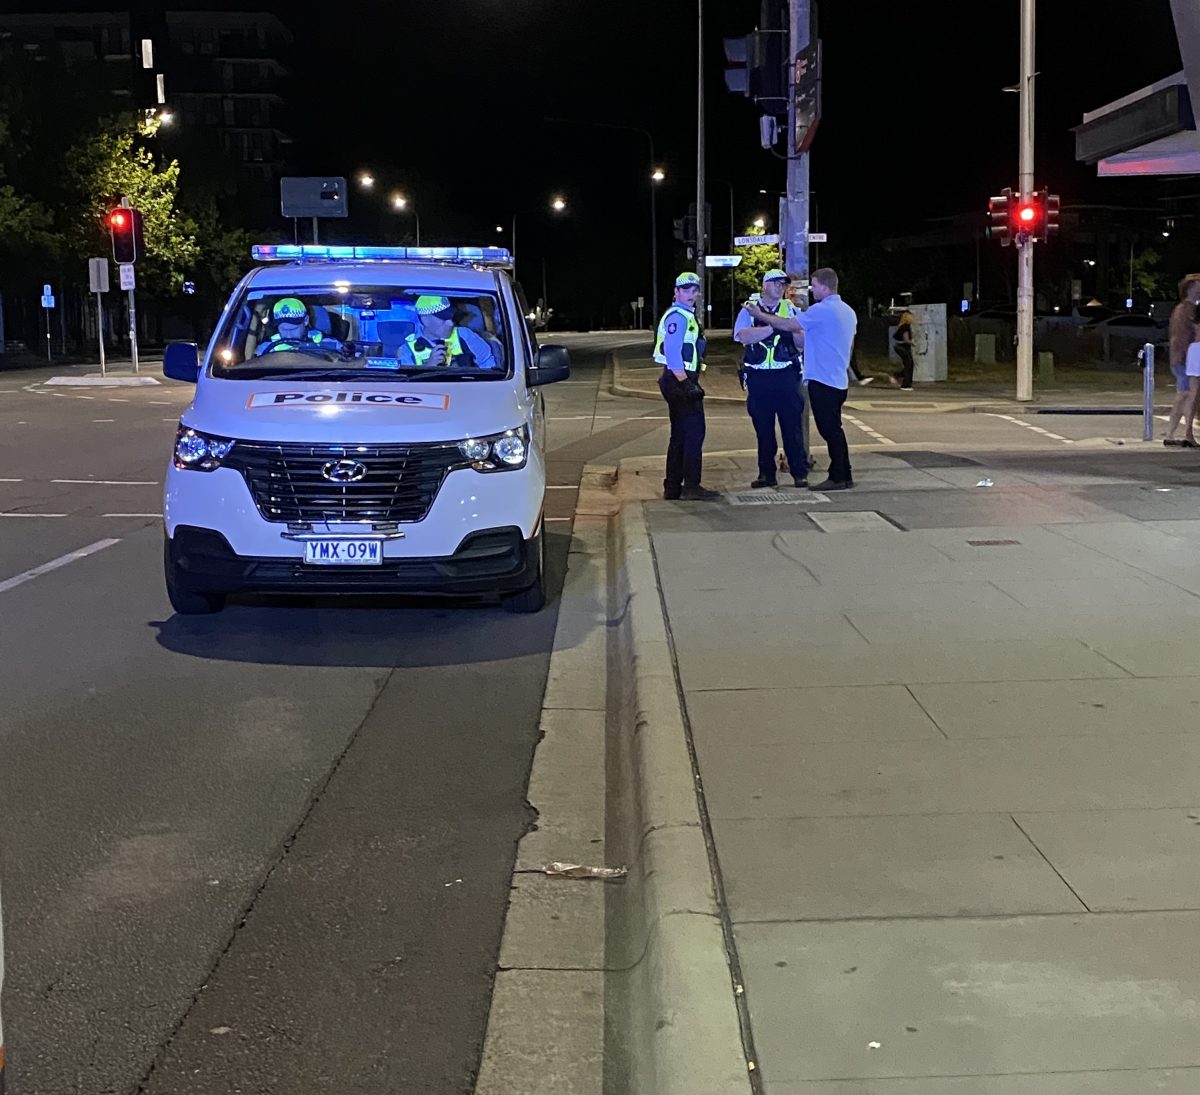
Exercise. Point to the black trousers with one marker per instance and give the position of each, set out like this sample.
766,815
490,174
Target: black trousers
826,405
905,372
772,394
685,450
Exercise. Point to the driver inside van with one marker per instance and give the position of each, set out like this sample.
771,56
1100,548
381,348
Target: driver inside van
291,320
437,341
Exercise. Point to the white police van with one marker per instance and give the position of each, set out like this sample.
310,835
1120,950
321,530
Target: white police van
366,420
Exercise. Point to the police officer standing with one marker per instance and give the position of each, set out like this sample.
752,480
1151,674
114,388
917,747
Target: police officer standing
771,373
679,349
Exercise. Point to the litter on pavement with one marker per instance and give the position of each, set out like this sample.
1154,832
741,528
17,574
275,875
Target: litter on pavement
576,870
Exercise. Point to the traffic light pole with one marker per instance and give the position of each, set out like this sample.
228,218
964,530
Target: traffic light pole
133,346
701,219
796,243
1024,241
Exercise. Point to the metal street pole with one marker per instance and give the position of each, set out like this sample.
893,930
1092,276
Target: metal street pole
796,240
653,241
700,218
100,333
133,346
1025,246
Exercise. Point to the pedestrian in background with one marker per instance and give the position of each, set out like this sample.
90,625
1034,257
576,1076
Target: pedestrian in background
679,350
770,373
1180,337
902,378
826,331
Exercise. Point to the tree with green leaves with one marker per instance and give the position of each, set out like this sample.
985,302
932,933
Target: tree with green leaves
115,162
757,259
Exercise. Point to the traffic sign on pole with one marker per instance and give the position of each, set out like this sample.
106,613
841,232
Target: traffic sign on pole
722,260
127,276
98,275
818,237
770,239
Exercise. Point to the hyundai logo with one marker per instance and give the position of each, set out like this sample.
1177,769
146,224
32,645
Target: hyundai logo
344,471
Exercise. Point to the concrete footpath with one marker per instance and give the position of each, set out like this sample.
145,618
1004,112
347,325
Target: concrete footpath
635,376
947,745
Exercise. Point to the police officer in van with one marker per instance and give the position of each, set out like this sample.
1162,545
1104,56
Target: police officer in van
679,349
771,373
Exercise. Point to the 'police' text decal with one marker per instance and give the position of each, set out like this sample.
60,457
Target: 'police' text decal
429,400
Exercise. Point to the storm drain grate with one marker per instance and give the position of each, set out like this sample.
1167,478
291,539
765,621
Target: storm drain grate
992,543
776,498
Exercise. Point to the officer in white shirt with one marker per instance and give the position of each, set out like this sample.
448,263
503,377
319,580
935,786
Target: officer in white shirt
826,333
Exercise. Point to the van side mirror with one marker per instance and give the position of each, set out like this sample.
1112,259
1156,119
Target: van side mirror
551,364
181,362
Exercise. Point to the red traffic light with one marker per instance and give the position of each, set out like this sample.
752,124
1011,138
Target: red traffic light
125,228
1027,214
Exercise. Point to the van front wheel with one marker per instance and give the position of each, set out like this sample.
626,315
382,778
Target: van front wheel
188,602
533,598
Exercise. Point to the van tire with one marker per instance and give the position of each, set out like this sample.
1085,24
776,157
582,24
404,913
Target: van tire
532,599
188,602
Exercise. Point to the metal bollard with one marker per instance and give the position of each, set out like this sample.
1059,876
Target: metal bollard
1148,391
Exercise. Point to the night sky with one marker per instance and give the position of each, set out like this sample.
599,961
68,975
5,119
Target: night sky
449,103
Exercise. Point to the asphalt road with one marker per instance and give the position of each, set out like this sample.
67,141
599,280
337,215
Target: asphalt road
270,851
266,851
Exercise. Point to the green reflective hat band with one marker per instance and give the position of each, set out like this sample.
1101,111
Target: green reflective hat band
775,275
289,308
431,305
687,280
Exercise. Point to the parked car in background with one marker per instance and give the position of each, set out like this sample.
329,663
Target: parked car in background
1128,323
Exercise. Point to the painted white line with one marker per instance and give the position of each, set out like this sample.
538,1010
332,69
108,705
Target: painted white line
32,515
1029,426
103,419
555,486
170,419
549,519
578,417
54,564
85,397
159,402
867,430
118,400
131,515
12,480
110,482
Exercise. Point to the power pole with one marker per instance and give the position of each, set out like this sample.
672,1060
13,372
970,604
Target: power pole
796,242
1025,243
701,220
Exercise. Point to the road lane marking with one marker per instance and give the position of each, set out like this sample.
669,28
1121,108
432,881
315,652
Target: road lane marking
54,564
549,486
111,400
103,419
131,515
12,480
1029,426
159,402
32,515
579,418
110,482
549,519
85,397
867,430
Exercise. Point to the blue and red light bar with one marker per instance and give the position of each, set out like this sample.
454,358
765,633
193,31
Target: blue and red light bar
320,252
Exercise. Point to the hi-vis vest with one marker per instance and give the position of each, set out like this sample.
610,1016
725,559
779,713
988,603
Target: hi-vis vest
777,352
422,349
278,344
691,336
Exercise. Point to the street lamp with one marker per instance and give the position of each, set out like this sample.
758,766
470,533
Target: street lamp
400,203
366,180
166,117
658,174
558,204
760,222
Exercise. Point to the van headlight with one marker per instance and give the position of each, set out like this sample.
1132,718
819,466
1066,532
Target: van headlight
500,452
198,451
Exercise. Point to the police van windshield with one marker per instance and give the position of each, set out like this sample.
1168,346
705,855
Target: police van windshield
350,330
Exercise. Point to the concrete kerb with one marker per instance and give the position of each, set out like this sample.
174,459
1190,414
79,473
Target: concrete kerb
672,1026
657,1016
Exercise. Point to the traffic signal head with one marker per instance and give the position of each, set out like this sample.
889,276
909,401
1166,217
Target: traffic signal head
999,225
125,228
1051,203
